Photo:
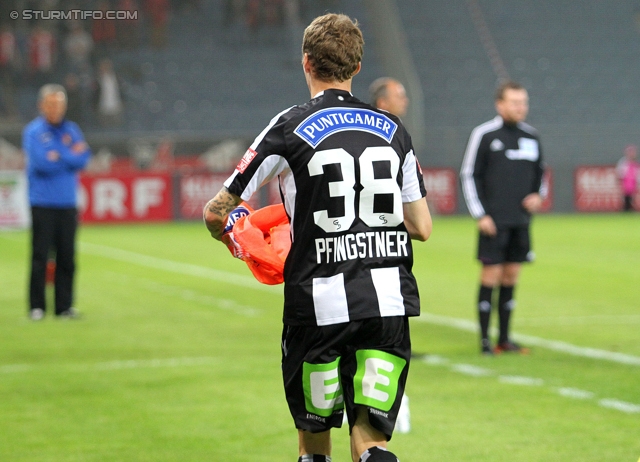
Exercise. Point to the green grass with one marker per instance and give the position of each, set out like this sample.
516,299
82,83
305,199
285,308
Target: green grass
174,361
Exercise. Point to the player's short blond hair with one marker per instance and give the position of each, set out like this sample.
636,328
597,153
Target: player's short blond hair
334,46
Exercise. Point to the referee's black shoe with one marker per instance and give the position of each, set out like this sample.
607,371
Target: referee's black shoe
510,347
485,347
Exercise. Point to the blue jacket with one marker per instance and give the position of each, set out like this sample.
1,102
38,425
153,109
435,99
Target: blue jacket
53,182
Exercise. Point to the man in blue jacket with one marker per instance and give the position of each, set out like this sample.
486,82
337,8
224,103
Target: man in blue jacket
56,151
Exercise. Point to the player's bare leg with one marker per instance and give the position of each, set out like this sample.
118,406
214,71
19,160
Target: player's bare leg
491,275
510,274
314,443
364,437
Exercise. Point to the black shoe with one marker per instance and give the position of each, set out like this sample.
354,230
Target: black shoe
510,347
485,348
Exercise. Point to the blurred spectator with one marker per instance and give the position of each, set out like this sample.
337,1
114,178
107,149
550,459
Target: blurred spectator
127,29
109,97
74,99
158,13
103,32
78,46
42,55
264,11
628,170
9,69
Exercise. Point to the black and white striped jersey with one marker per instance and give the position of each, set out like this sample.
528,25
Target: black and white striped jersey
502,164
344,169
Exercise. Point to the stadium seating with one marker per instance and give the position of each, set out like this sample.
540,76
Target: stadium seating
222,80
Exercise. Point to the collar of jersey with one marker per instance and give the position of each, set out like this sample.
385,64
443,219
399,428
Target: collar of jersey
321,92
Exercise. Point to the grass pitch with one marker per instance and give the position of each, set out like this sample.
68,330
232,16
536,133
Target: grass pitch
177,354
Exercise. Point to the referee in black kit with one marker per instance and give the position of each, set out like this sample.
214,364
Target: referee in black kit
502,179
354,194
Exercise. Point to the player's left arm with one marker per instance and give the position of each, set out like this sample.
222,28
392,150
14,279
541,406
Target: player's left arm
217,210
533,201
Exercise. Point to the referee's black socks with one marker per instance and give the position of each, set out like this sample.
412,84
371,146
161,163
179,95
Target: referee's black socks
484,310
506,303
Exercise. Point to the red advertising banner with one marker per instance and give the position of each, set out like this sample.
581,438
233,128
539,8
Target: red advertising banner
597,189
125,197
196,189
442,189
547,186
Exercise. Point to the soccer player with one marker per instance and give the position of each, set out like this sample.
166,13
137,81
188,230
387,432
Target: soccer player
389,94
355,198
502,178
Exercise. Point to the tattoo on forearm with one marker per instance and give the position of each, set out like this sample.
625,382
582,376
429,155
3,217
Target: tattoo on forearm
220,206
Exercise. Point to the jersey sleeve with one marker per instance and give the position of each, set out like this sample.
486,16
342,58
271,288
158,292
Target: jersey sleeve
413,187
471,174
538,185
263,161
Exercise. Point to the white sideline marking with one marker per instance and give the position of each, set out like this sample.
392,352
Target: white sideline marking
623,406
575,393
249,282
595,320
147,261
476,371
189,295
116,365
469,369
556,345
519,380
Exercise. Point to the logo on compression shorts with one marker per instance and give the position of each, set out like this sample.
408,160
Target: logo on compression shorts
319,125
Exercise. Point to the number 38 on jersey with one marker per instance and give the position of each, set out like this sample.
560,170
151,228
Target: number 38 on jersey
371,186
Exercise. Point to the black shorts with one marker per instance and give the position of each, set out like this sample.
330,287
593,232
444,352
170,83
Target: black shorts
329,369
510,245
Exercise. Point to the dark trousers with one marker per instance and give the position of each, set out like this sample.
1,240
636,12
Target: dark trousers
53,230
628,203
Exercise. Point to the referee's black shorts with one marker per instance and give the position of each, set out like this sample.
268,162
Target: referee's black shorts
511,244
330,369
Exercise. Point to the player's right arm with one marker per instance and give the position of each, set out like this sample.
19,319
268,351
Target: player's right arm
417,219
217,210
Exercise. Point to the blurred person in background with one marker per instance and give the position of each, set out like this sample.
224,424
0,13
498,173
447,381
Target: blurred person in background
74,97
501,179
78,46
628,170
9,70
55,151
43,55
389,94
346,170
103,32
109,103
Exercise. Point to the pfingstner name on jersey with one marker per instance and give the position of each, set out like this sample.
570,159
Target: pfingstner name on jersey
370,244
326,122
